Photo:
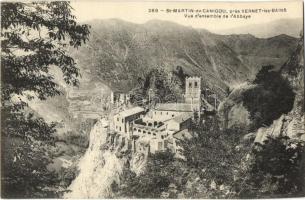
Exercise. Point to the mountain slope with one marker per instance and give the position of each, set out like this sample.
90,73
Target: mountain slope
258,52
290,27
119,52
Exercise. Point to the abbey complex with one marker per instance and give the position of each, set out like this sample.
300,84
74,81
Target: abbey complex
159,127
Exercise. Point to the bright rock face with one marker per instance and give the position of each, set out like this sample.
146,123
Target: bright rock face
275,130
98,168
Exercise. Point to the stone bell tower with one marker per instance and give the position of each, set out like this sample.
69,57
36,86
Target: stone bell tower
193,92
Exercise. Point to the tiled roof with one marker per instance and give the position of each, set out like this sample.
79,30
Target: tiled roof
131,111
183,107
183,117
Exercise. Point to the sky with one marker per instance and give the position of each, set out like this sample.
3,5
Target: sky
138,12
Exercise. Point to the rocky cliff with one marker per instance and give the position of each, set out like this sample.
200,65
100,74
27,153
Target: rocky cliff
291,124
98,168
103,163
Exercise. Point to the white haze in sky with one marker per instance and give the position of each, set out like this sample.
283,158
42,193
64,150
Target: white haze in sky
137,12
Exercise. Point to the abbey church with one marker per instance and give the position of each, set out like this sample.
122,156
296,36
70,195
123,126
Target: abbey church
159,128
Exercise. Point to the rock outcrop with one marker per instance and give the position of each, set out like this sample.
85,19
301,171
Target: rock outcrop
291,124
231,108
103,164
98,168
286,125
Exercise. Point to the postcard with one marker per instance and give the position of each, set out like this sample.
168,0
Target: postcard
152,99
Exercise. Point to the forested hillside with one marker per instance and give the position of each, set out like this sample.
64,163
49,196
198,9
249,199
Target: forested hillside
119,52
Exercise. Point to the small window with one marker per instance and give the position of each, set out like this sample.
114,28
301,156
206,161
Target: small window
139,131
166,113
154,134
134,129
173,115
120,129
122,120
149,133
118,119
144,131
162,137
190,84
161,113
195,84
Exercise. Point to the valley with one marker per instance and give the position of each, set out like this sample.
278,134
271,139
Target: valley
148,103
120,56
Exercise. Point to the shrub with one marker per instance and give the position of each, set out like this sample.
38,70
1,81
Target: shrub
275,170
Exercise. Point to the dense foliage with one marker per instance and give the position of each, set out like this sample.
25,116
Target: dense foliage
272,97
160,172
210,157
158,86
34,38
24,156
275,169
181,75
220,164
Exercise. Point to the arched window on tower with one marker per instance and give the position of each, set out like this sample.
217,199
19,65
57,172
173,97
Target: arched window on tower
196,84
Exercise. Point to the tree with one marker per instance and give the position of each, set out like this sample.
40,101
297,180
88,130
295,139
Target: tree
181,75
206,167
35,38
159,85
275,169
212,158
272,97
159,173
24,157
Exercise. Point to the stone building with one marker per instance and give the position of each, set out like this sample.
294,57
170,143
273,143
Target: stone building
192,102
149,127
119,98
166,111
163,125
123,120
192,94
183,121
160,133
